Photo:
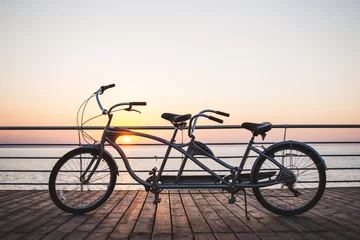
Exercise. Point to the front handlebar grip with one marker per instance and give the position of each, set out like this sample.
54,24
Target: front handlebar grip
138,103
223,114
103,88
108,86
215,119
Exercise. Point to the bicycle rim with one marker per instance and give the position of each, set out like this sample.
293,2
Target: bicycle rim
70,192
309,184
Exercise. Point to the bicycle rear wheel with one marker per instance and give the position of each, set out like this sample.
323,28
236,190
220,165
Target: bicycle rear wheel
304,193
71,191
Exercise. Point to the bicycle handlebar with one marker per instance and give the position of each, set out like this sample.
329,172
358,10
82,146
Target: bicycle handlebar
192,126
102,89
130,104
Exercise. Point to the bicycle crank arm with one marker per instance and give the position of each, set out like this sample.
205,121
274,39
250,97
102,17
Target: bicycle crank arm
295,192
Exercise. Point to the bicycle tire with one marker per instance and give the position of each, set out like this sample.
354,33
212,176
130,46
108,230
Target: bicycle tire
309,170
72,195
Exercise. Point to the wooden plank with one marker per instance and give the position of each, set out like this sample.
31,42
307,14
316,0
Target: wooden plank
275,222
21,201
232,221
272,221
307,221
204,236
215,222
12,196
238,210
163,225
225,236
52,227
127,223
350,205
180,222
106,227
144,226
329,235
67,227
30,210
34,222
350,235
248,236
328,214
290,235
196,219
97,217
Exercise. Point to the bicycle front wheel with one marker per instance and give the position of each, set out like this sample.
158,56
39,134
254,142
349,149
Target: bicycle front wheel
304,193
74,192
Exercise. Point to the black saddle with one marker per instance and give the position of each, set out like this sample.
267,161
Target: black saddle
257,128
176,118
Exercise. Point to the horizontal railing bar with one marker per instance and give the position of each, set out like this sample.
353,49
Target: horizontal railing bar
168,170
8,145
14,145
121,171
171,127
44,184
130,158
14,183
161,157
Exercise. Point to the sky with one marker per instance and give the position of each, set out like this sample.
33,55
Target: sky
278,61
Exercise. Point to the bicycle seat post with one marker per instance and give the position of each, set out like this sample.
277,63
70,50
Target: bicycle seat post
246,155
166,155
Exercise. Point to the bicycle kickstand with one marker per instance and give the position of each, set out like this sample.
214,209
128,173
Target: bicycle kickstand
232,198
246,211
157,199
154,188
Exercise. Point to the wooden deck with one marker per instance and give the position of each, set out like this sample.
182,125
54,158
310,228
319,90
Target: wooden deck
181,215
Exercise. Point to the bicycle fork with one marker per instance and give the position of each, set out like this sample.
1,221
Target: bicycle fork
85,180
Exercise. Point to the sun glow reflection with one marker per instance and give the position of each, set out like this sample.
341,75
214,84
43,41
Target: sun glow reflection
126,139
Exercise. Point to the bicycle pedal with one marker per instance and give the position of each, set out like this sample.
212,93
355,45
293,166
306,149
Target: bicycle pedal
156,201
232,200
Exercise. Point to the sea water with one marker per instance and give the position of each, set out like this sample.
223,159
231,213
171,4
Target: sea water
15,163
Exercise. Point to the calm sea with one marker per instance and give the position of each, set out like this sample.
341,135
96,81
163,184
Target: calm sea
150,157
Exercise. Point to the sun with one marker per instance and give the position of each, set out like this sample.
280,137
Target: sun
126,139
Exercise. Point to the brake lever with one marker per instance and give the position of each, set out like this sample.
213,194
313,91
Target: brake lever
129,109
135,111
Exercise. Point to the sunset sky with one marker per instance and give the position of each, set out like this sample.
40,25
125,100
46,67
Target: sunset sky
278,61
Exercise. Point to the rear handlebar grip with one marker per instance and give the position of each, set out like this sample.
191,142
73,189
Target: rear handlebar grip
138,103
223,113
216,119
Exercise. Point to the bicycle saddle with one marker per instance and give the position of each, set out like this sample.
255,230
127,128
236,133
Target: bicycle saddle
257,128
176,118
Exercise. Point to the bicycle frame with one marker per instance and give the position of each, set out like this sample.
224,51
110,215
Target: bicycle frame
261,175
110,135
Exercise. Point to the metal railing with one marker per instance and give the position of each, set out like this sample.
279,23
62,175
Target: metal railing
21,169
